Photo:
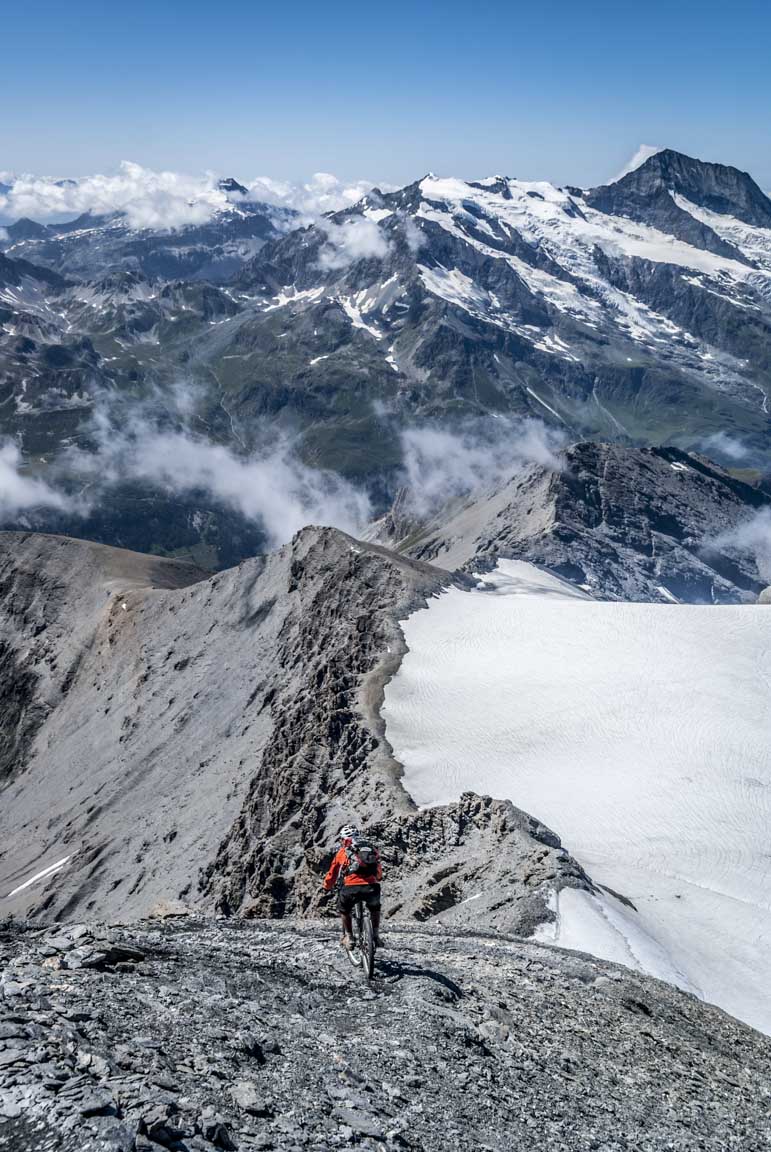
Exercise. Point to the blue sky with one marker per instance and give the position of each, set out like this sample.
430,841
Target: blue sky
559,91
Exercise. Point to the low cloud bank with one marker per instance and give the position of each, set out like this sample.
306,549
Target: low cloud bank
753,536
158,445
272,487
167,200
441,464
147,199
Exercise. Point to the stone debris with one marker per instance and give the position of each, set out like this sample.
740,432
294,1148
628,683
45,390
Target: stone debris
238,1035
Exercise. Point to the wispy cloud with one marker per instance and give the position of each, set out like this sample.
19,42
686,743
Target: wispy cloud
441,464
721,444
643,153
322,193
413,235
272,486
20,492
355,239
753,537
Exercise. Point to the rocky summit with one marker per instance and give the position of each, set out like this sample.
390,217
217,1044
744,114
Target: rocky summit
194,1036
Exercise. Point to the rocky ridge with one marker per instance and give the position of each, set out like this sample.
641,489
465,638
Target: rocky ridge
622,523
229,726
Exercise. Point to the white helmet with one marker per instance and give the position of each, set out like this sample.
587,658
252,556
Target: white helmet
348,832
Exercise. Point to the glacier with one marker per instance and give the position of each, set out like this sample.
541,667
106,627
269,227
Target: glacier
640,733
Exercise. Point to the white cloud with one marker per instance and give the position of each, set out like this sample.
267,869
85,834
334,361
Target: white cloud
441,464
272,487
3,235
643,153
355,239
19,492
752,536
147,198
413,234
167,200
724,445
322,193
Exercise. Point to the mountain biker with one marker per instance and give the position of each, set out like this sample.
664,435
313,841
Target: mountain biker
356,872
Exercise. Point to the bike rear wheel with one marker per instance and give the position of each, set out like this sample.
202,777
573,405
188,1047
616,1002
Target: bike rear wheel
354,952
367,942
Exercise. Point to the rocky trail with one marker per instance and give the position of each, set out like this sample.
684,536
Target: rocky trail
191,1035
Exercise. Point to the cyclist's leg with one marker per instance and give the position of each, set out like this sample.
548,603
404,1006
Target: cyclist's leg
373,903
344,907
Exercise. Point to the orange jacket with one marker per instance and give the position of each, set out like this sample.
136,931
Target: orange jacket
338,864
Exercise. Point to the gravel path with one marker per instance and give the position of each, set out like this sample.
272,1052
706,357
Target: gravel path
195,1035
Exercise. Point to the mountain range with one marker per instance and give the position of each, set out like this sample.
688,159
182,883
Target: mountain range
637,313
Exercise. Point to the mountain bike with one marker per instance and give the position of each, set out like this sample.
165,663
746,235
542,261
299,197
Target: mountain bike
363,948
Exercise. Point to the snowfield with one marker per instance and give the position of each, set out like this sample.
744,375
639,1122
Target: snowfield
641,733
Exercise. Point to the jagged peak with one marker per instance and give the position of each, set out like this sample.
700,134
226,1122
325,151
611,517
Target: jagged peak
230,186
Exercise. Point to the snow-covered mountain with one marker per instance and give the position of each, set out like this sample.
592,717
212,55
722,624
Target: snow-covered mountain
639,312
599,312
92,245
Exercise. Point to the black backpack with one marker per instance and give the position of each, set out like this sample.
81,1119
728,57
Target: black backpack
363,860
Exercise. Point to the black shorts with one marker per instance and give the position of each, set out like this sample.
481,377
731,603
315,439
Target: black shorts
348,894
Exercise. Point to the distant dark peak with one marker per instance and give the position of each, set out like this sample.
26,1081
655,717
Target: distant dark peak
717,187
405,198
648,194
65,183
373,199
230,186
26,229
85,220
121,279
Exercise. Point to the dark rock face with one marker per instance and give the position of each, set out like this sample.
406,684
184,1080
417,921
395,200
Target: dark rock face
476,861
21,716
631,524
326,759
717,187
258,1036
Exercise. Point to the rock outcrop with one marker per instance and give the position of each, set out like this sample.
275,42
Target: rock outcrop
624,523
